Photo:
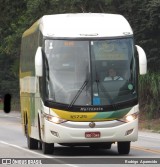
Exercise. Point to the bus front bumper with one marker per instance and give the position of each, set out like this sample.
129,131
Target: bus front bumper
75,132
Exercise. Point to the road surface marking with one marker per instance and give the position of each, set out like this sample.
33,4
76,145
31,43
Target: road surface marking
36,153
10,116
146,149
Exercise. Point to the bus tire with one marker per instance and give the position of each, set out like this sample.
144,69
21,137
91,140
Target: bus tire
32,143
40,145
47,148
39,131
123,147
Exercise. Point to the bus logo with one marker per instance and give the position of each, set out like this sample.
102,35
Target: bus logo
92,124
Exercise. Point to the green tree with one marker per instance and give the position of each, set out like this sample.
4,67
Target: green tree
144,17
9,44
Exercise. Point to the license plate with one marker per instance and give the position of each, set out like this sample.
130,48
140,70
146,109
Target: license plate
92,134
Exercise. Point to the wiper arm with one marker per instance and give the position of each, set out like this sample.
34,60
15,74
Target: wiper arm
78,93
97,83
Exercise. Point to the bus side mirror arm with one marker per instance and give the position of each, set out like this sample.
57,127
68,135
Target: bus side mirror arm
39,62
142,60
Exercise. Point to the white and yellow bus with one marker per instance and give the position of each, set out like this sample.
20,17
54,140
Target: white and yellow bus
65,96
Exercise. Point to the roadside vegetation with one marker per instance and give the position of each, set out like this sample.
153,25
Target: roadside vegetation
149,93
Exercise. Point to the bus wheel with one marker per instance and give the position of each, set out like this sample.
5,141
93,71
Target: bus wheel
47,148
40,145
123,147
32,143
39,130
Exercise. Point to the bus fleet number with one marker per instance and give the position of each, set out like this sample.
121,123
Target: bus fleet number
78,116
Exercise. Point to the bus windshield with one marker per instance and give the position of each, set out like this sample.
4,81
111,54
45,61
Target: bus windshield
93,72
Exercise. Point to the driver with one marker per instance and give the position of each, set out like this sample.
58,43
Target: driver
112,75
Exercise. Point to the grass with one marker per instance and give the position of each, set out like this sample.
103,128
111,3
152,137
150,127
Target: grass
1,106
149,124
149,93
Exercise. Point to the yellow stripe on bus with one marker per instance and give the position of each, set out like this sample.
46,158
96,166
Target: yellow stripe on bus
79,116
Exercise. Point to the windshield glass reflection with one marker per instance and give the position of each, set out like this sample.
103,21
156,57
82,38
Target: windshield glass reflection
113,71
99,72
68,64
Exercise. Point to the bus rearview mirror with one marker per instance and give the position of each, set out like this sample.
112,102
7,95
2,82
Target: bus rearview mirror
38,62
142,60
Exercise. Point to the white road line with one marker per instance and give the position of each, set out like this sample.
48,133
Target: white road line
36,153
10,116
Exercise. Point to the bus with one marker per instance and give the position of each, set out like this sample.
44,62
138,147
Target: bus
65,95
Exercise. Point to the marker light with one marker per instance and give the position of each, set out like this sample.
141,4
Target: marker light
129,118
53,119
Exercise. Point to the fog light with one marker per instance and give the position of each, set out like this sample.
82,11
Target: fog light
129,132
55,133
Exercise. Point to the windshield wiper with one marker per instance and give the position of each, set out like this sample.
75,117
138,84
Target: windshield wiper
78,93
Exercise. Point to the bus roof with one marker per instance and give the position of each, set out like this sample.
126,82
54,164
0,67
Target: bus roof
83,25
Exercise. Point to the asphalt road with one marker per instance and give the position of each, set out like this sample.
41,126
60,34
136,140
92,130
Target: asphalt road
14,151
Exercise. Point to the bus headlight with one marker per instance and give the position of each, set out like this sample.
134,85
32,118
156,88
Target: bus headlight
54,119
129,118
